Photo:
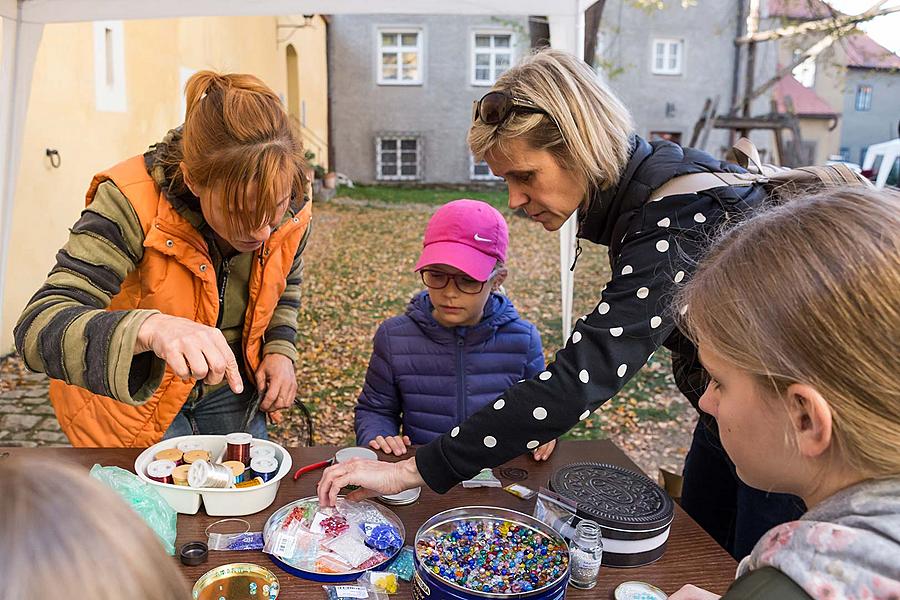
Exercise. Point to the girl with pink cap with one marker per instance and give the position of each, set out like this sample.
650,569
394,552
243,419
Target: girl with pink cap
460,342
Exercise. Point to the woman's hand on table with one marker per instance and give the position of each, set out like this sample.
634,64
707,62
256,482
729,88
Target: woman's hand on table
544,452
374,478
191,350
692,592
391,444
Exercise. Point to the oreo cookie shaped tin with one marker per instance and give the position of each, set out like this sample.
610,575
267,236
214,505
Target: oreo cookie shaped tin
633,512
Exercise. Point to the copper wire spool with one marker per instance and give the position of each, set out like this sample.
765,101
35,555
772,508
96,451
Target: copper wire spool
238,447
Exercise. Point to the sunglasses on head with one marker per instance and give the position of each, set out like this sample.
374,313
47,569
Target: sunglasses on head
495,107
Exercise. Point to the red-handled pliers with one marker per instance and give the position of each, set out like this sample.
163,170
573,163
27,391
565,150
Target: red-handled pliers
313,467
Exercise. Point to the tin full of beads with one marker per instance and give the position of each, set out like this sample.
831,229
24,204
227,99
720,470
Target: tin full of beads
161,470
489,552
209,475
238,447
263,467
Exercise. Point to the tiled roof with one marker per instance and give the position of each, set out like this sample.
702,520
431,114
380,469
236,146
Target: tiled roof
806,102
804,10
864,52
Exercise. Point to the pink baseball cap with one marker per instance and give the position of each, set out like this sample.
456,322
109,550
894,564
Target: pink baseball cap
467,234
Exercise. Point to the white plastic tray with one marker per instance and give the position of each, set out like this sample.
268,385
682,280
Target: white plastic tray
231,502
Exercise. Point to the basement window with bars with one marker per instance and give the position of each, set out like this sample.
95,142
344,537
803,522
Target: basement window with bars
398,158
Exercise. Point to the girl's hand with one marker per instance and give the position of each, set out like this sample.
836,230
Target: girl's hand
544,452
191,350
375,478
391,444
692,592
276,381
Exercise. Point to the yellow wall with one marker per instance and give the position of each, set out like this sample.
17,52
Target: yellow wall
62,115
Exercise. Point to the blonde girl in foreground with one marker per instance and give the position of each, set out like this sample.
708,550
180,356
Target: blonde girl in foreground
65,535
796,315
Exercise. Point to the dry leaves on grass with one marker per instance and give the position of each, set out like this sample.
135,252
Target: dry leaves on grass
358,272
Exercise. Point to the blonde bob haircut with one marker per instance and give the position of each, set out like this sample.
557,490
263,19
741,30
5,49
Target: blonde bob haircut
807,293
587,129
64,534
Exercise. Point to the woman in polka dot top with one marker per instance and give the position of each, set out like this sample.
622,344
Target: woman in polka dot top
565,144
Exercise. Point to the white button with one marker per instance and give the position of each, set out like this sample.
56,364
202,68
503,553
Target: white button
170,243
203,267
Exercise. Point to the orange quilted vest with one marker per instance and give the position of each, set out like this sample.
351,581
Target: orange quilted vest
175,278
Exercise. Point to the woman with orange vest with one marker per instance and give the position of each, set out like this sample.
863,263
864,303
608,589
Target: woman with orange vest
172,308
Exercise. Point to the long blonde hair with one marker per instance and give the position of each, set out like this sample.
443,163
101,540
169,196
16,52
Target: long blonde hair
587,129
236,134
809,292
65,535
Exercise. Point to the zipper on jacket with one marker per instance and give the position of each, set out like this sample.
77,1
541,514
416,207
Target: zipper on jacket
460,379
223,283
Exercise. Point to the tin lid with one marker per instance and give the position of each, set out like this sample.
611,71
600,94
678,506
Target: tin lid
638,590
194,553
614,497
403,498
238,438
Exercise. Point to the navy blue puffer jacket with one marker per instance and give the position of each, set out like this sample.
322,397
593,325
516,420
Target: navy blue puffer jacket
429,378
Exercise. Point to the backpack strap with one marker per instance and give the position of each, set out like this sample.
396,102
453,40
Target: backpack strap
698,182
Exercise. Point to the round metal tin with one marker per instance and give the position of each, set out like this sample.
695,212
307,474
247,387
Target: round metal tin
237,581
430,585
403,498
194,553
274,522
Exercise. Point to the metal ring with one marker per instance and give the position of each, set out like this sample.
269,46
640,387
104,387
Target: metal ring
211,525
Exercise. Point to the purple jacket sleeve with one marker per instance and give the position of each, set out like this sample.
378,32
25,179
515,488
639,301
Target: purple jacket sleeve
378,407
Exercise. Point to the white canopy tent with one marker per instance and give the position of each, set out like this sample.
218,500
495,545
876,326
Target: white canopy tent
24,20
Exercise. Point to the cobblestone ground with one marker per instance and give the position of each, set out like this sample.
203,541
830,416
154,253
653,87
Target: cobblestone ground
26,417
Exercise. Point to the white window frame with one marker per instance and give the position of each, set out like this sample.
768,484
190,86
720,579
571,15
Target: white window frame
419,49
400,137
678,69
866,97
489,177
492,52
109,67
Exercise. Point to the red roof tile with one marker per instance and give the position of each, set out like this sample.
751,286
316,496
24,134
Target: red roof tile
806,101
804,10
864,52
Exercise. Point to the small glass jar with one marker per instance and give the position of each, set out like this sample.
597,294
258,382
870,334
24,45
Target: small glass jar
585,554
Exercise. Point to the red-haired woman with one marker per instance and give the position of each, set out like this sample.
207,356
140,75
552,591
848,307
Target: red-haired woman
175,299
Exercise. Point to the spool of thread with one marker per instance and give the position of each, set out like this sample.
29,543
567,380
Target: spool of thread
238,447
180,475
188,445
237,467
161,470
193,456
204,474
250,483
264,467
173,454
259,450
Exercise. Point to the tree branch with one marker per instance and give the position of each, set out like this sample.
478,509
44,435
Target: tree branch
819,25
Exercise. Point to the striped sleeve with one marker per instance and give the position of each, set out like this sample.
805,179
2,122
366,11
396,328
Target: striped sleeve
65,330
281,334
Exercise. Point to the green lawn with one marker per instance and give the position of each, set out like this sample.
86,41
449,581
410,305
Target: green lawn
432,196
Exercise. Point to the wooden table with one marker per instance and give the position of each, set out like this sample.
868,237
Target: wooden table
691,556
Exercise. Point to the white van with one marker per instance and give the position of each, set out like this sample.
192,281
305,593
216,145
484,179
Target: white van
882,164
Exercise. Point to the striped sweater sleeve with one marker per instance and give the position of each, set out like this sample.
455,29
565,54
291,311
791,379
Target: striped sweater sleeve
281,334
65,330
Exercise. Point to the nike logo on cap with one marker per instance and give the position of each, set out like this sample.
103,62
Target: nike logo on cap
478,238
